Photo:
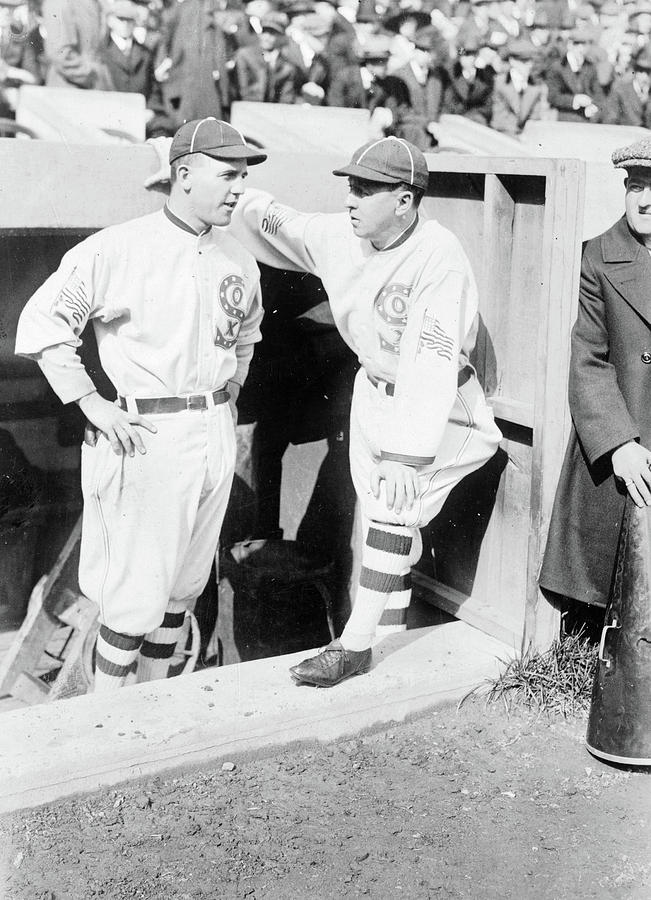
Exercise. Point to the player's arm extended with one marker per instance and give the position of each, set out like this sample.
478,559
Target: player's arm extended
275,234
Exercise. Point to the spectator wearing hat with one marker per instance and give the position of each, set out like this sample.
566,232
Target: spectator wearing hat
469,90
628,102
131,66
404,23
426,78
264,71
192,62
609,451
367,86
74,34
516,99
573,82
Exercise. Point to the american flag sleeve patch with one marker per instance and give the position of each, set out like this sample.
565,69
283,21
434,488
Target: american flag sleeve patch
72,301
433,337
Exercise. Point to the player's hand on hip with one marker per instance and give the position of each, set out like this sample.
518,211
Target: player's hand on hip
401,486
119,426
632,463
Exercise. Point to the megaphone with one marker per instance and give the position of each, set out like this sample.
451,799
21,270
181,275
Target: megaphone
619,725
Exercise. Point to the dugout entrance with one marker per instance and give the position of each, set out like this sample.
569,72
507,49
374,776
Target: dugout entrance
520,223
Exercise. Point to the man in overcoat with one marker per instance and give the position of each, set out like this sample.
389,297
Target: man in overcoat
608,454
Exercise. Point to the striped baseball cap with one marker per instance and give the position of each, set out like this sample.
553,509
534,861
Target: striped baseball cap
214,138
390,160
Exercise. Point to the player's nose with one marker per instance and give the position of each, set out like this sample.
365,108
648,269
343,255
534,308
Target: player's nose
351,201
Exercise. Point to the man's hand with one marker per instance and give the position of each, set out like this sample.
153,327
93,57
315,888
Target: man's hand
580,101
162,175
632,463
401,484
118,426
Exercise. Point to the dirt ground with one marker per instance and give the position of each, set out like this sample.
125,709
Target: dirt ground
465,803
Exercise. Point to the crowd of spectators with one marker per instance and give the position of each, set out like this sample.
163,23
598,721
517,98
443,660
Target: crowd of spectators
498,62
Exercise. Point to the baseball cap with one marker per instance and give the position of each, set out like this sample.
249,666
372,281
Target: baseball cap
214,138
274,21
389,160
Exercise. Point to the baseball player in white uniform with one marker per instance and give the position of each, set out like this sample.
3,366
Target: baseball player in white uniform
404,298
176,309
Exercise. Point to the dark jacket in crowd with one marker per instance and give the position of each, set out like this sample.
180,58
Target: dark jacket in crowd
133,73
198,82
511,109
259,81
474,100
563,84
610,402
624,105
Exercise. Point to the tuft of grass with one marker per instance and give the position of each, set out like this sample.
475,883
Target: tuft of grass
557,681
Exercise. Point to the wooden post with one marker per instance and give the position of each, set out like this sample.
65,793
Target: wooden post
561,251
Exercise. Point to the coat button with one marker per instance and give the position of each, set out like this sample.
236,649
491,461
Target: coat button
646,357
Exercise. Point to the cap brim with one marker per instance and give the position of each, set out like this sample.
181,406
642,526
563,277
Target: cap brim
355,171
252,155
633,164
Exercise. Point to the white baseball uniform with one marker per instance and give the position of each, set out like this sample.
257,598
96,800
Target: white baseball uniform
410,315
175,314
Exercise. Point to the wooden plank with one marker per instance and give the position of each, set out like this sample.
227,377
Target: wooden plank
29,689
473,610
495,280
27,648
516,411
561,252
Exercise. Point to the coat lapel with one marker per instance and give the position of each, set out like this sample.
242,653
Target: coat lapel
628,268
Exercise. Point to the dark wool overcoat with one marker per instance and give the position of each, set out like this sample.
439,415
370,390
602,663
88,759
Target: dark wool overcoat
610,402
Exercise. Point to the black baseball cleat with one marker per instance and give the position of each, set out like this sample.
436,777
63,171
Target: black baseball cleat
332,665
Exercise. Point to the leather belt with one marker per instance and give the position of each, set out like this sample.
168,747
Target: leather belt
148,406
389,388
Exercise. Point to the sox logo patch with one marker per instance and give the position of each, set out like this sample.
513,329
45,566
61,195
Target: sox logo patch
391,308
231,300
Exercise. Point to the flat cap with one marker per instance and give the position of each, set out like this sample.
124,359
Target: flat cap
375,47
637,154
520,49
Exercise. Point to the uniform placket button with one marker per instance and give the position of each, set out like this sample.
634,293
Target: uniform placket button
646,357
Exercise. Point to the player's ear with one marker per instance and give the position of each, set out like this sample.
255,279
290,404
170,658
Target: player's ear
184,176
404,202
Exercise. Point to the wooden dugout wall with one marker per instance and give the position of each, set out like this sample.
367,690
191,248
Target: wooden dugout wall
520,222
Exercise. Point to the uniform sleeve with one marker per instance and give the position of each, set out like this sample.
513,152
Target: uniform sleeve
50,325
598,408
276,235
426,381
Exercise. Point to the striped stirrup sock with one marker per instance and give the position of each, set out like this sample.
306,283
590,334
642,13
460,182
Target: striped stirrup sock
159,645
115,655
386,562
394,617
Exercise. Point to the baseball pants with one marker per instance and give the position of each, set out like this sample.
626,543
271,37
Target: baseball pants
151,522
392,542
